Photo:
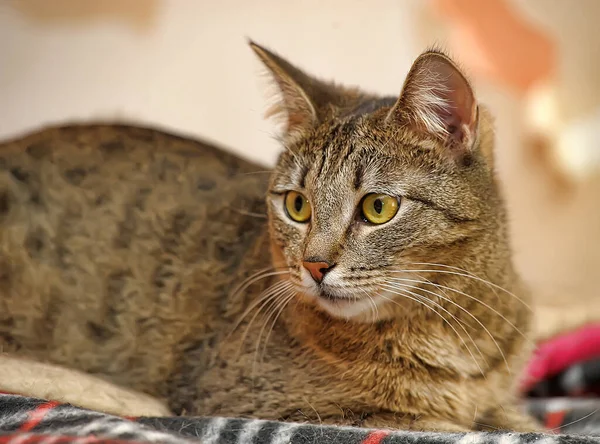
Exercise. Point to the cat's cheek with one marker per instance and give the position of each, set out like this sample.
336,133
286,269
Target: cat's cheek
286,240
278,258
311,290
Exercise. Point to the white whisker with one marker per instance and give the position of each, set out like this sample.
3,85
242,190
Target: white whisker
264,295
260,274
276,301
466,273
475,299
460,307
285,301
374,308
264,299
421,300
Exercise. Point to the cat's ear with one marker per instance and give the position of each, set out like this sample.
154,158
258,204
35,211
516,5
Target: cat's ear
295,106
438,99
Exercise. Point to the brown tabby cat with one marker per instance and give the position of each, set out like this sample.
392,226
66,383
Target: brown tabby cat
385,295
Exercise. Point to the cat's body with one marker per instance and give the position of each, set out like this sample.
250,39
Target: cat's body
122,249
120,246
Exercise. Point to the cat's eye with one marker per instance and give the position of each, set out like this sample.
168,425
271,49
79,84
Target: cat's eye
297,206
379,208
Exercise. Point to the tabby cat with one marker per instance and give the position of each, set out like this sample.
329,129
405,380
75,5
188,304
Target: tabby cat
373,286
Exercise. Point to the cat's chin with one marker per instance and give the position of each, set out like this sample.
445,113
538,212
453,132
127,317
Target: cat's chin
352,309
349,308
343,302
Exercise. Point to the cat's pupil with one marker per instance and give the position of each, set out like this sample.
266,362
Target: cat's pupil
378,205
298,203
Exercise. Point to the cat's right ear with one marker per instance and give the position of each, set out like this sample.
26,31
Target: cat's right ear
438,99
295,106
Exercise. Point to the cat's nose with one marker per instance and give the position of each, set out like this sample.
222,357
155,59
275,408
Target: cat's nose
317,269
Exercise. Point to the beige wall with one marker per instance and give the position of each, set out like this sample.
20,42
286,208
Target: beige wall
184,64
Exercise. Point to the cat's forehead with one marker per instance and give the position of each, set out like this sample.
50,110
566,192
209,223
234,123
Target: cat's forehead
351,153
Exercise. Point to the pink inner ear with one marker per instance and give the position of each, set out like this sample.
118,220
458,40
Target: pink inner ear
460,113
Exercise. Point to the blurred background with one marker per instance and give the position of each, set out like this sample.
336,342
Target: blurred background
184,66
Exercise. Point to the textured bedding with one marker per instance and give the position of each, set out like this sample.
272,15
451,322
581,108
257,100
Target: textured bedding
31,421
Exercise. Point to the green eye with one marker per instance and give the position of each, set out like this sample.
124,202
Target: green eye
379,208
297,206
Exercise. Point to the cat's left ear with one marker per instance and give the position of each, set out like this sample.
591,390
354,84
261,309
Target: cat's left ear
297,106
438,99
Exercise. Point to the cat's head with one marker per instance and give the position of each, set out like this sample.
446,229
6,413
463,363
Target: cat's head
370,187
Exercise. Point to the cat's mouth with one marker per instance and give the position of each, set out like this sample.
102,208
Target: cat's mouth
337,298
328,299
349,307
344,304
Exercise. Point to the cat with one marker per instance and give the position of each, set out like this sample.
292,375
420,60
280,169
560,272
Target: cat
366,280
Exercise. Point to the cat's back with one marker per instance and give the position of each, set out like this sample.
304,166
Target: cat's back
116,243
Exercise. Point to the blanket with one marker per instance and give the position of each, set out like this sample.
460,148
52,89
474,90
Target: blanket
565,365
35,421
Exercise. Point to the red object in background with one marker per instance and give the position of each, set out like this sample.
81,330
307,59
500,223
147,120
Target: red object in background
558,354
496,42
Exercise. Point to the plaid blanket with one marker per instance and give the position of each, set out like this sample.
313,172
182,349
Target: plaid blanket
33,421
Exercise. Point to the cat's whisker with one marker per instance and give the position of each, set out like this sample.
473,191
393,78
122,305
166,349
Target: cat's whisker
374,308
250,173
476,277
422,300
285,301
265,302
274,304
269,293
398,286
241,286
261,297
460,307
562,426
489,426
461,323
249,213
273,300
447,298
255,277
288,299
465,273
277,306
440,286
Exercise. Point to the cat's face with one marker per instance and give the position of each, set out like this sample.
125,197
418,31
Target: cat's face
358,198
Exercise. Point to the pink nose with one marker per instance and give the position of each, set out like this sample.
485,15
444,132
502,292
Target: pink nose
317,269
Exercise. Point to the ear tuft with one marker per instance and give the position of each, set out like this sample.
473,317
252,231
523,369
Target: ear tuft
438,99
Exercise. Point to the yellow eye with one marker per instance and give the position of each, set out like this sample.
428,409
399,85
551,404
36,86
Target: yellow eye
297,206
379,208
